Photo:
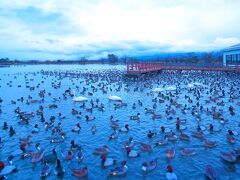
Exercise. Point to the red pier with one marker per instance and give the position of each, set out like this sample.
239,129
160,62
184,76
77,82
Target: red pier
140,68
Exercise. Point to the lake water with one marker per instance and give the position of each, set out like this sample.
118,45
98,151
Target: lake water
131,90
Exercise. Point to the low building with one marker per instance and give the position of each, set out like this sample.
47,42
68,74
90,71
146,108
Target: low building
231,56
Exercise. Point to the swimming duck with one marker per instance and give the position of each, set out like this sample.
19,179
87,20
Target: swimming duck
136,117
83,172
184,137
149,166
210,173
171,136
6,169
46,170
94,129
132,153
79,154
151,134
170,175
26,140
51,158
231,139
198,134
162,142
114,135
77,128
106,161
229,156
170,153
38,156
129,143
5,126
35,129
125,128
209,143
74,146
11,131
101,151
187,152
145,147
120,171
156,116
68,156
59,170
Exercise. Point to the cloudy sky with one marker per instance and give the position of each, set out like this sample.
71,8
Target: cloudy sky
71,29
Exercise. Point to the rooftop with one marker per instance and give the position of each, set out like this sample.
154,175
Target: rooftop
232,48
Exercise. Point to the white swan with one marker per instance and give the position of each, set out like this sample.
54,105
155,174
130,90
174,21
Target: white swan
115,98
158,90
79,98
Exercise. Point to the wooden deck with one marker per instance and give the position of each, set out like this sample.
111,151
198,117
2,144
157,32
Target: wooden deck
140,68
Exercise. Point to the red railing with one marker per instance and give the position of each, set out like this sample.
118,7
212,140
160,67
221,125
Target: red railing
139,68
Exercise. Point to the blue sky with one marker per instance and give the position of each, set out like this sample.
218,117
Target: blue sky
71,29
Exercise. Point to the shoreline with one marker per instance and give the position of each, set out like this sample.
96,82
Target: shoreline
6,64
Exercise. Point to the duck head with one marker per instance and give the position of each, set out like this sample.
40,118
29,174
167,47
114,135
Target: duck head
169,169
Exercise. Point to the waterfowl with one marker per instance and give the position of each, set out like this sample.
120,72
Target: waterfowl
51,158
77,128
115,98
162,142
187,152
106,161
231,139
120,171
156,116
132,153
184,137
46,170
210,173
26,140
82,172
59,170
151,134
57,138
79,154
38,156
114,135
170,153
171,136
35,129
114,125
129,143
170,175
79,99
6,169
74,146
94,129
148,111
229,156
149,166
11,131
145,147
5,126
136,117
209,143
101,151
198,134
68,156
125,128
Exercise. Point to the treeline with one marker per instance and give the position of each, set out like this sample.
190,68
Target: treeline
194,57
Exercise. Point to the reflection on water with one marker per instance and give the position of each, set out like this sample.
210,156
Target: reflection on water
191,96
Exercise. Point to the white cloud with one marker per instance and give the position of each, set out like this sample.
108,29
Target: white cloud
101,26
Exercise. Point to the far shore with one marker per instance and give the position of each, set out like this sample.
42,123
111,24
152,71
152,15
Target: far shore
9,63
